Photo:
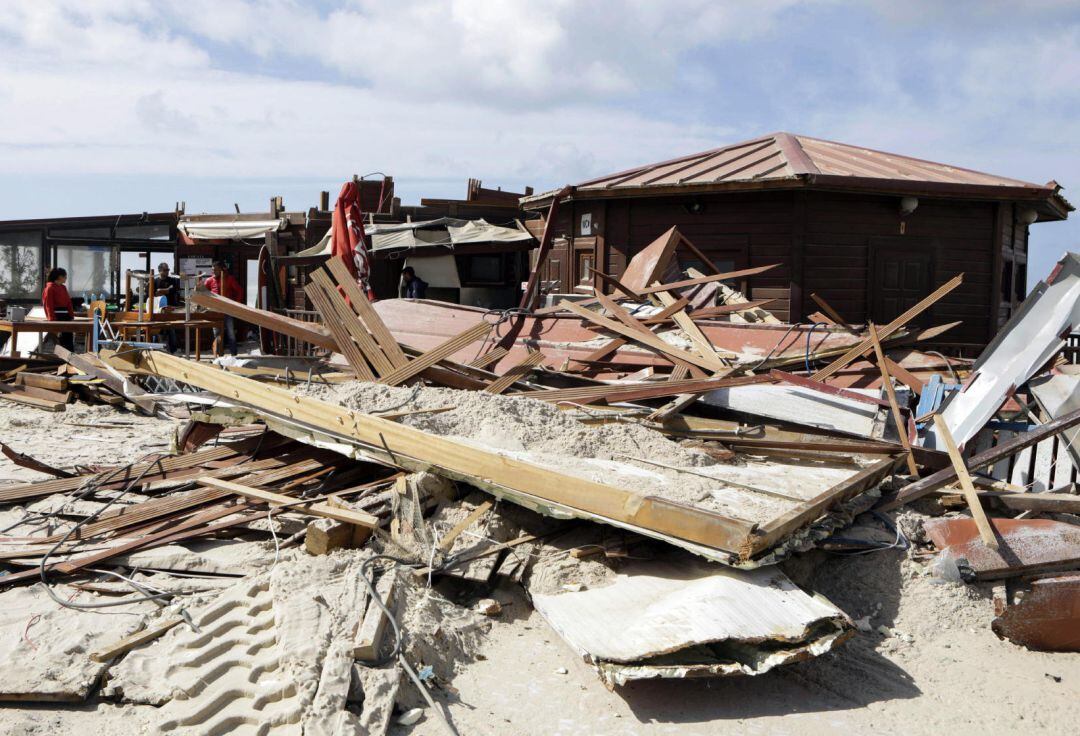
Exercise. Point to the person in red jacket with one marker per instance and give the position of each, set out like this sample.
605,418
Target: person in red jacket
224,284
58,306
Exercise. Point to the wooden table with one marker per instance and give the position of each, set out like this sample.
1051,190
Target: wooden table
127,329
41,326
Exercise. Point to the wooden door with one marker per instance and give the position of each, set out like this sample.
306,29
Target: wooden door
902,275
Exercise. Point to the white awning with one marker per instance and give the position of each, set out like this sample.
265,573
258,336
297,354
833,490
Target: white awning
445,232
230,229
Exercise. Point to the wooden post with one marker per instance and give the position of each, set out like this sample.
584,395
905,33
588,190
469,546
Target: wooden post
970,494
886,379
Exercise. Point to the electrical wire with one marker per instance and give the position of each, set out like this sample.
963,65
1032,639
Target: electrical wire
809,334
774,348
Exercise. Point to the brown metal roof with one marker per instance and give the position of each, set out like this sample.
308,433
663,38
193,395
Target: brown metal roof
784,159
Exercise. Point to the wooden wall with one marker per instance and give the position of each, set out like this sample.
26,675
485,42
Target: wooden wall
839,232
824,242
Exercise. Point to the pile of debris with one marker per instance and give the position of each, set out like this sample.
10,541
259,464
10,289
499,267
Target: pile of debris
640,461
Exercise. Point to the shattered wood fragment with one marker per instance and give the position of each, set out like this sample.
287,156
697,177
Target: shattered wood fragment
448,541
42,380
369,634
832,313
970,494
490,358
368,315
349,321
20,395
25,461
356,357
137,639
516,373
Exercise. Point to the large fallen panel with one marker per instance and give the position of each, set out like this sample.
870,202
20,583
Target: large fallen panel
662,619
1059,394
1044,615
1025,546
804,406
520,477
1027,342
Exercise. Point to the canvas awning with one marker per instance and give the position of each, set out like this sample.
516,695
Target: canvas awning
230,229
444,232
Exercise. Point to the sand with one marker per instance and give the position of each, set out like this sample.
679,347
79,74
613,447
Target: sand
938,669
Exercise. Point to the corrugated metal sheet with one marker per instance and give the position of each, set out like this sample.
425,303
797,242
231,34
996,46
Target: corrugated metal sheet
784,156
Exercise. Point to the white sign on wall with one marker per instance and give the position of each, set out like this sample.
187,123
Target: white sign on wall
586,223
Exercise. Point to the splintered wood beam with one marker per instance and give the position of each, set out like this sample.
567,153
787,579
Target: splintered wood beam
516,373
355,357
316,508
448,541
371,319
646,338
866,345
129,642
308,332
491,357
444,350
901,425
986,532
659,318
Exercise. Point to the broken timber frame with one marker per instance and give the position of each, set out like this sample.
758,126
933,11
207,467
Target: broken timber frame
524,482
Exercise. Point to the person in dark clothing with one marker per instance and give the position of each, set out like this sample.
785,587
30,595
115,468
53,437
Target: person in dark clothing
167,286
414,286
58,306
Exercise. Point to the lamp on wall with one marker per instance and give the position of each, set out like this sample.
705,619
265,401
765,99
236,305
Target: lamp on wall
1027,216
907,206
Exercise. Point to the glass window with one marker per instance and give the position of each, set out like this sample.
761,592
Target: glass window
104,233
89,269
20,264
483,269
252,296
142,232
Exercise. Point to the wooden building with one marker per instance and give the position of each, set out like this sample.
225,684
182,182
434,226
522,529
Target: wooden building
868,231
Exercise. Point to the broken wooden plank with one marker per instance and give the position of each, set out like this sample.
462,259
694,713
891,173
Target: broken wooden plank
354,329
516,373
150,633
905,376
970,494
356,356
315,508
448,541
866,345
371,319
18,395
48,381
832,313
411,448
116,383
648,339
369,634
901,424
444,350
490,358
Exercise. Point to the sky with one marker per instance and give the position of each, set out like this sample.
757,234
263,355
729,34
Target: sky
111,106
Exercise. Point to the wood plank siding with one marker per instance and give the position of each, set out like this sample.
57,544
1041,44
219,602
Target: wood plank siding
847,247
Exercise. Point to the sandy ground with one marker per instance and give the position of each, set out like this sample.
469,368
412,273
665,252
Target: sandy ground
937,668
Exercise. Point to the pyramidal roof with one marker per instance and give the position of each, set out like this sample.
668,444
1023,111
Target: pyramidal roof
801,160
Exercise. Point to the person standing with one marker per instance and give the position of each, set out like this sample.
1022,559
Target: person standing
225,285
58,306
167,287
414,286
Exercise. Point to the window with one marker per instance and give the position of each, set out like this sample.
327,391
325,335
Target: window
585,267
89,269
142,232
485,269
20,265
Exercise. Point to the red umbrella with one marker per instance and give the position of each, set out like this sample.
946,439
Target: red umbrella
347,236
